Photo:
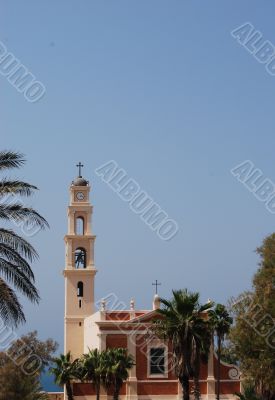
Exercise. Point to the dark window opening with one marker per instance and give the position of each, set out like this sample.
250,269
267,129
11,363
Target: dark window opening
79,303
80,258
157,361
80,289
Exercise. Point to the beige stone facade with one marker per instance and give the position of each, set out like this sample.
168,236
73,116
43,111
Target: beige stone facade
79,269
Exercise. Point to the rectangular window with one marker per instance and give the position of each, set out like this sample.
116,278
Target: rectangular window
157,361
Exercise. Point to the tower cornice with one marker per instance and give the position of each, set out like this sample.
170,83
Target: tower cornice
80,272
76,206
93,237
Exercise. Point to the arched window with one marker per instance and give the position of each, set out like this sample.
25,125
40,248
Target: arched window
79,226
80,258
80,289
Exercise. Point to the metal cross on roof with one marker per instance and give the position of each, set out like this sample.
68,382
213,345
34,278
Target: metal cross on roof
79,165
156,284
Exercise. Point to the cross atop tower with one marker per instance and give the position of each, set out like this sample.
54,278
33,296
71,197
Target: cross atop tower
79,166
156,284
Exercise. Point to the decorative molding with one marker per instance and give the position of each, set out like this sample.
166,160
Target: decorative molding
80,271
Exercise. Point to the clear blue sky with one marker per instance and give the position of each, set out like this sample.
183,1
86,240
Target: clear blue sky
162,88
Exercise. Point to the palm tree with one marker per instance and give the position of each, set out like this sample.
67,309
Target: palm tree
200,350
221,322
64,372
91,368
182,323
116,365
16,253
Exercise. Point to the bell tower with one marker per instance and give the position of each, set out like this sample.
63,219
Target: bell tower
79,272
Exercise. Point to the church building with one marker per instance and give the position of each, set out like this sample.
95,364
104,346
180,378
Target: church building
87,327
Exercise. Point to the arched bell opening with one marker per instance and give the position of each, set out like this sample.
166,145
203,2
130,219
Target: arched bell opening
79,226
80,258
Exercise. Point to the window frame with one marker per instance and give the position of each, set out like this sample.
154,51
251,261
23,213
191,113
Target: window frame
157,345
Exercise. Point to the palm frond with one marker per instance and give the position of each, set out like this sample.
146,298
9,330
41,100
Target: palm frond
64,369
16,187
11,159
13,256
182,322
10,309
17,243
206,307
18,213
16,252
165,302
21,282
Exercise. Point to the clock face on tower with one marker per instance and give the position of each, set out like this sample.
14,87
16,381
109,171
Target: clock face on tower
80,196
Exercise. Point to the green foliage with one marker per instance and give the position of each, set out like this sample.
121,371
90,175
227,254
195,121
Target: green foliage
116,365
227,353
15,384
91,368
221,320
26,387
252,336
16,253
183,321
64,371
109,367
249,393
264,279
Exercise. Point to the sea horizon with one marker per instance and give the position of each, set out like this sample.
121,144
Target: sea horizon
47,382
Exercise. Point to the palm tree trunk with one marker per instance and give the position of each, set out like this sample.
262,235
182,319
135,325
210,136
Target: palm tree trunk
116,392
219,368
197,393
69,391
97,390
184,380
196,371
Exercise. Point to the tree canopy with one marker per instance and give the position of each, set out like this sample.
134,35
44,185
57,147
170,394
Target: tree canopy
253,334
17,381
